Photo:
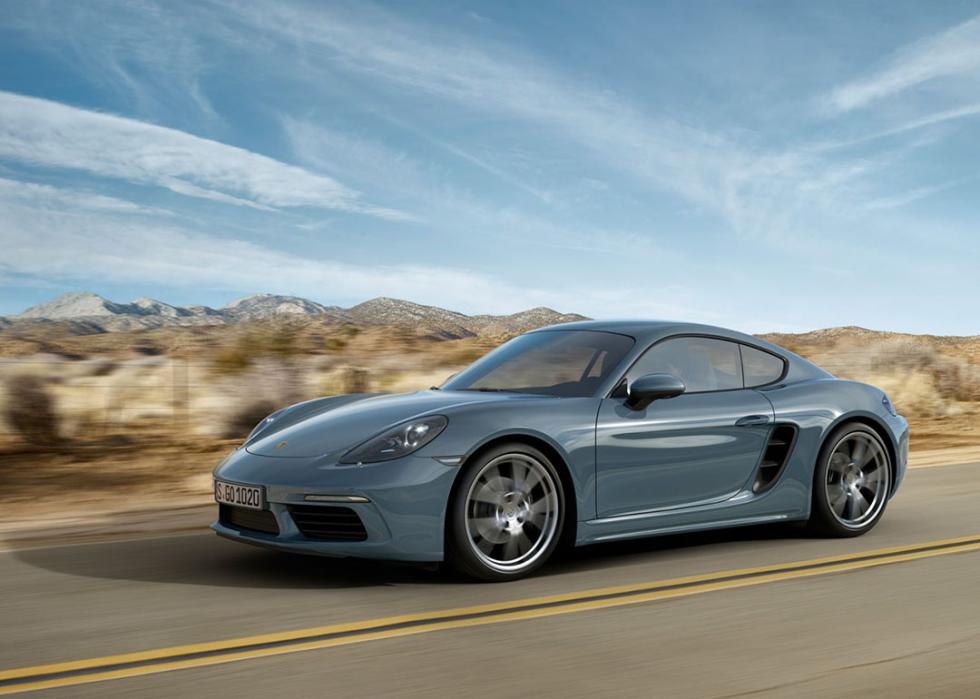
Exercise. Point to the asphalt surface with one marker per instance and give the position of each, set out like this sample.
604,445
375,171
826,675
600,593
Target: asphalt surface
908,628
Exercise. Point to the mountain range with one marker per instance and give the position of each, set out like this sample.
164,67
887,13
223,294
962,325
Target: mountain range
87,313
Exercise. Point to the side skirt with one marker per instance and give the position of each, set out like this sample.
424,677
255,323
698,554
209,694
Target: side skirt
598,531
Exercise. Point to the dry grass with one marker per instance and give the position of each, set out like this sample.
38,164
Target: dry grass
924,376
123,472
30,410
150,412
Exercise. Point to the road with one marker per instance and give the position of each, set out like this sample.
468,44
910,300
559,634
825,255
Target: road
898,623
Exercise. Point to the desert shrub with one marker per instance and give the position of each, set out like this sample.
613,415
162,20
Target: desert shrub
232,360
452,355
347,379
354,379
908,355
102,367
239,401
30,410
147,348
913,393
334,344
793,347
957,379
239,422
952,378
468,355
388,382
280,342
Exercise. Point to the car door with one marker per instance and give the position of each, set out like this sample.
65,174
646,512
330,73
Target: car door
699,447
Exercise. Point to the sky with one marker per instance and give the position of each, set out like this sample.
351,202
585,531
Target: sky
767,166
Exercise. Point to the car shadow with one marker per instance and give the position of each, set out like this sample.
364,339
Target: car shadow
620,552
207,560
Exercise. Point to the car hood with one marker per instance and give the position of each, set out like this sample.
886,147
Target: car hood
335,425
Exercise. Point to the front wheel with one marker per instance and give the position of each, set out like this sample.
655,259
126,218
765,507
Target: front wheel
506,515
851,483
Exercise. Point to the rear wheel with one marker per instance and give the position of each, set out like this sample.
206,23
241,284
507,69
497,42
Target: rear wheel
507,514
851,483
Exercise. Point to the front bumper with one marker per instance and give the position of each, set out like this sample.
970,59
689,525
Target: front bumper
404,516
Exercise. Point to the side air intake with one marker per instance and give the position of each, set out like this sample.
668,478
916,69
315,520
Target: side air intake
775,457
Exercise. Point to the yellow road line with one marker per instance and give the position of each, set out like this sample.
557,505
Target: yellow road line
265,645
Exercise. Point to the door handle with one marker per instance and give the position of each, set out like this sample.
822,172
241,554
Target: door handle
752,421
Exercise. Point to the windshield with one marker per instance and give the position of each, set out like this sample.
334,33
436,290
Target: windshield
568,363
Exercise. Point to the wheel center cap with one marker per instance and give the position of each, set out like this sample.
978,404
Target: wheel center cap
512,508
512,512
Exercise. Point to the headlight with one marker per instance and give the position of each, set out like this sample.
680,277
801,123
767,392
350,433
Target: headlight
888,406
397,442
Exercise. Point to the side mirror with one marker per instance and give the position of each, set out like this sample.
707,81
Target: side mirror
646,389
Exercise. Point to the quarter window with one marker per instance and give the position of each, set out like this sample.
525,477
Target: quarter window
702,363
760,367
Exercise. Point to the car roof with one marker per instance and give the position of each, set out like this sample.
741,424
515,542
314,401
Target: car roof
646,332
650,330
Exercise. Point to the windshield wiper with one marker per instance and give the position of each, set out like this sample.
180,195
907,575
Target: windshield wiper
483,389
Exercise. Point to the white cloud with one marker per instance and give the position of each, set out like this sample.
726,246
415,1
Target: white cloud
897,200
47,239
191,190
41,238
32,193
945,115
495,80
135,50
758,192
50,134
940,117
399,176
955,51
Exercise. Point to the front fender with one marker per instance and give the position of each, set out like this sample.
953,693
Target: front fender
565,424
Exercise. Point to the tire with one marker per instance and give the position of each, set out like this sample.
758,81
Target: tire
506,515
851,482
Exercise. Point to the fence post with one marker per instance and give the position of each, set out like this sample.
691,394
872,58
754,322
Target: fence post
181,390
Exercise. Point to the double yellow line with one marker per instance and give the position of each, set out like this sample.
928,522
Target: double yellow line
231,650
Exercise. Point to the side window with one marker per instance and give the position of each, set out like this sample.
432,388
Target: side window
760,367
702,363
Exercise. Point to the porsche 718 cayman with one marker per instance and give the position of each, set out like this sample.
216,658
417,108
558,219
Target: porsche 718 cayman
573,434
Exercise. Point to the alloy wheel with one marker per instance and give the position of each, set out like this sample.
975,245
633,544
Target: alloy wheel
857,480
512,512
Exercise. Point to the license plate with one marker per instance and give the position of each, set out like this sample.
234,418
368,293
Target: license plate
250,496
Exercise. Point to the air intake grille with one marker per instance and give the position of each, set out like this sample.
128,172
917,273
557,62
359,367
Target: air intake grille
328,523
243,518
775,457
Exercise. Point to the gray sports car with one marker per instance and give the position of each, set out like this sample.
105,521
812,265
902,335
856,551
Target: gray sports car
573,434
